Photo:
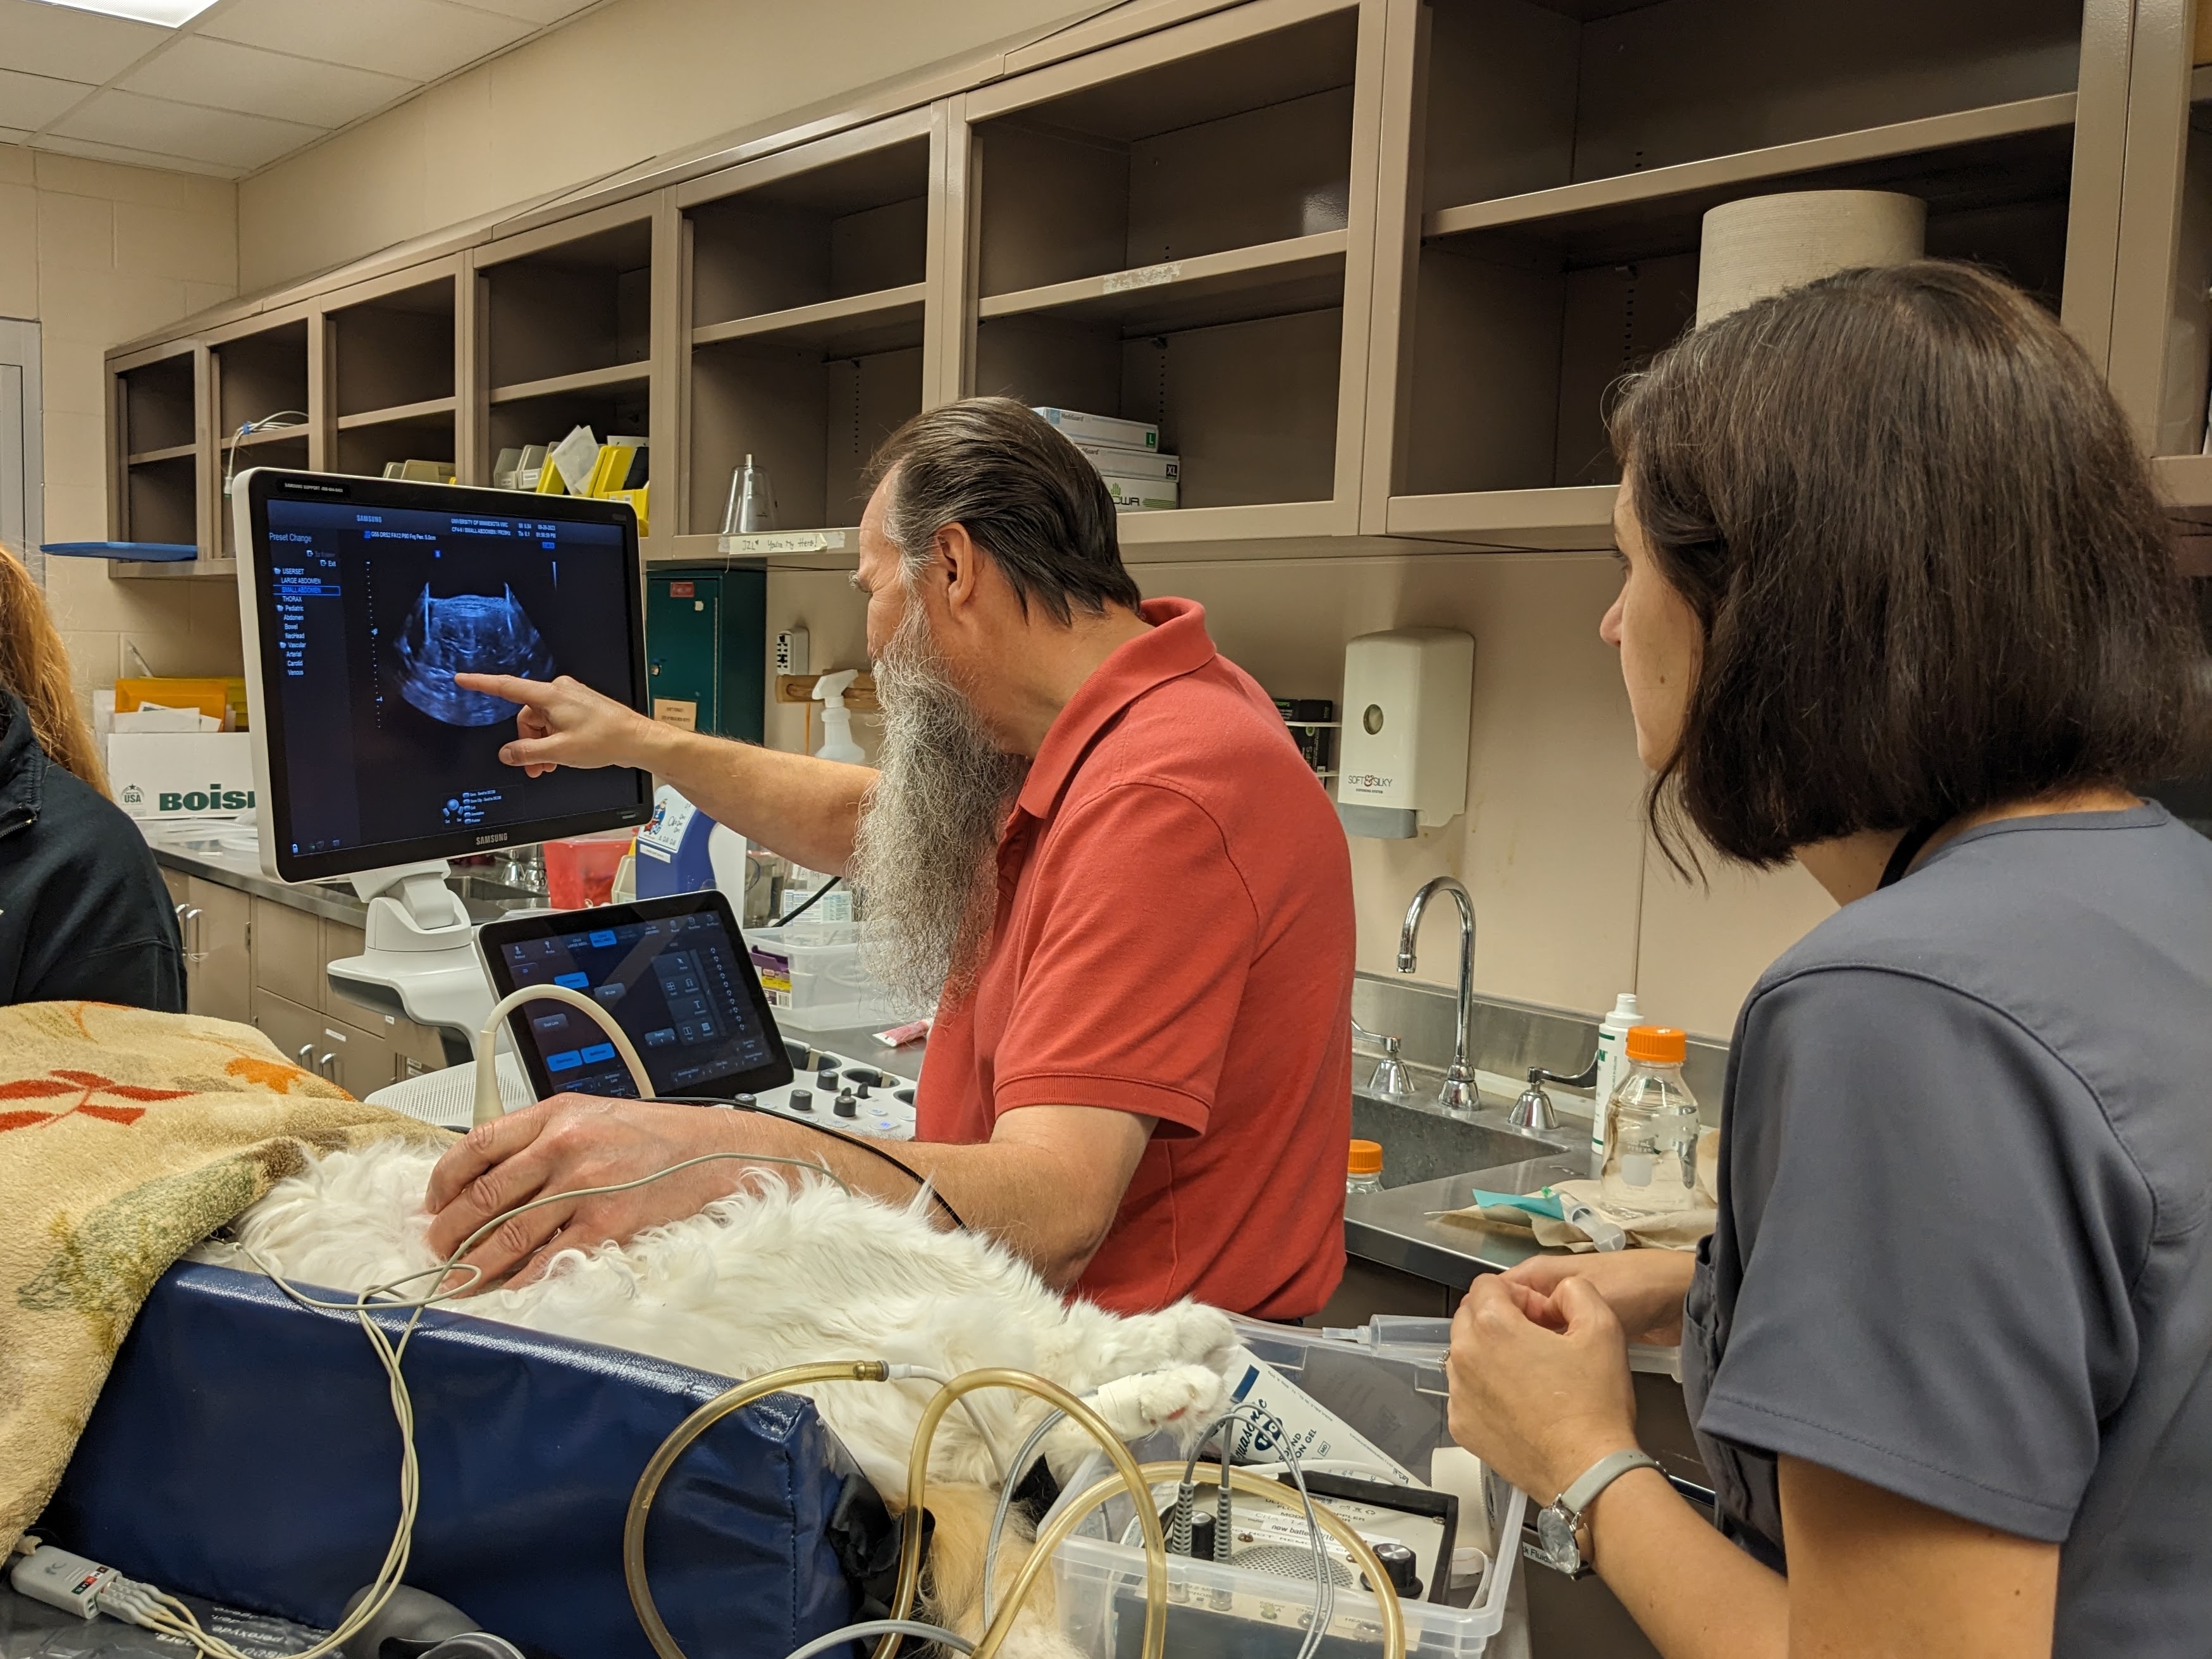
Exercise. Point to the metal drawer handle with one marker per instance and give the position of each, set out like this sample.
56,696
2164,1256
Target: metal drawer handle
189,918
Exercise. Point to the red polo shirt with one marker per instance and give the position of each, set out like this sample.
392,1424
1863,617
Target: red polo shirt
1174,938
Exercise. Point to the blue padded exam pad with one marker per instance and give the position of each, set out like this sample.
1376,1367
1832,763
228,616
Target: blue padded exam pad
244,1449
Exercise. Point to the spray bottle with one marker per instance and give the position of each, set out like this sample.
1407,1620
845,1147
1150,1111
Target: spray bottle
837,743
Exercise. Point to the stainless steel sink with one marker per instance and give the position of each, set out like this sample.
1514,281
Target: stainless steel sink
1419,1144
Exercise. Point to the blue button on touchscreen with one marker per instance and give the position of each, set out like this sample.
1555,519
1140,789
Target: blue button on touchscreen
679,988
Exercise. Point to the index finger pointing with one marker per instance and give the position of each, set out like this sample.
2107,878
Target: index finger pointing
510,688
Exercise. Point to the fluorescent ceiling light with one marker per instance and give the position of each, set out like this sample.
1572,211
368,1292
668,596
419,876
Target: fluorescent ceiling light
168,13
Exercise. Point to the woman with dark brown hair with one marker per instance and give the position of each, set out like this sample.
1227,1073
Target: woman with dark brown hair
1900,604
83,914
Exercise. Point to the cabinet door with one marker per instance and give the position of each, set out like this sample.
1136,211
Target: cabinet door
217,925
288,952
409,1049
358,1061
294,1030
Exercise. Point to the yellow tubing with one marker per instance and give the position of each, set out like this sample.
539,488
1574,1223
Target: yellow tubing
656,1470
1126,1474
1048,1540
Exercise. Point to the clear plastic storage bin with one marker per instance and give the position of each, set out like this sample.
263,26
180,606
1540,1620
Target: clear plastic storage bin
811,972
1397,1399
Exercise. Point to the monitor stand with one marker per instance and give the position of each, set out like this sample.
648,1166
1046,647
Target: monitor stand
421,958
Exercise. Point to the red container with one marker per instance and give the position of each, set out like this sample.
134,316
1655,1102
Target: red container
580,872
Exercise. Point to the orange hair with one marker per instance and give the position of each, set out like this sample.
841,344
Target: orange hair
35,666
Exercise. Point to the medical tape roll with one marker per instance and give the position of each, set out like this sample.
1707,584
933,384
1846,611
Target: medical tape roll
1763,244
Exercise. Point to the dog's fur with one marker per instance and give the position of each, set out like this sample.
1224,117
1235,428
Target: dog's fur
781,1275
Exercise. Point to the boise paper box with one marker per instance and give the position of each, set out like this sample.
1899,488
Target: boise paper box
181,774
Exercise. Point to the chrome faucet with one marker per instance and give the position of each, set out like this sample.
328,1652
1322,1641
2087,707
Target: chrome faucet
1458,1095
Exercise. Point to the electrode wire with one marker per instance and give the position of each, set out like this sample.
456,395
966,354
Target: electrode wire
1126,1471
1057,1532
1053,1420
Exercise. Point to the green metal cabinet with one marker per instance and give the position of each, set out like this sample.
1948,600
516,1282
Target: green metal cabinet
705,643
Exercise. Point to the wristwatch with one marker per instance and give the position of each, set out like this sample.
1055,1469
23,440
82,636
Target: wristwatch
1562,1532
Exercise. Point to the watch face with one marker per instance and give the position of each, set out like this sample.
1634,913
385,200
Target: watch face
1557,1535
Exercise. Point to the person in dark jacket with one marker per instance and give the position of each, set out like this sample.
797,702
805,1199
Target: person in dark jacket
83,915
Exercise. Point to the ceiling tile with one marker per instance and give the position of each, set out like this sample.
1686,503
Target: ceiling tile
537,11
127,156
70,45
222,137
32,100
418,40
222,75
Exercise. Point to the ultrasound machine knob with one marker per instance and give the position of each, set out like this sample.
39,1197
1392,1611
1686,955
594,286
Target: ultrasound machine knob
846,1106
802,1100
862,1091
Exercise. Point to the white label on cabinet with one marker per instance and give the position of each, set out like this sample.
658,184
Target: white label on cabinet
784,541
1147,276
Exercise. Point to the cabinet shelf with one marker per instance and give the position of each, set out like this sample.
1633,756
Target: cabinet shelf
1576,518
1299,273
202,569
167,451
829,549
1716,179
402,414
294,433
2186,480
888,319
583,380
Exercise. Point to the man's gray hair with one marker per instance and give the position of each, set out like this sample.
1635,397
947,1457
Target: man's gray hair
1025,495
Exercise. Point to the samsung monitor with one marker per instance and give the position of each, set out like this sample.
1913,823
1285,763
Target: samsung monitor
359,598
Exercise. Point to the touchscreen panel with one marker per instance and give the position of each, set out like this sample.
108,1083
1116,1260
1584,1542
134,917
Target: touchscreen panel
679,986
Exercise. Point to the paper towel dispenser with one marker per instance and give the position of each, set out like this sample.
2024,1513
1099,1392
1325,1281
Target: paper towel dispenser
1402,764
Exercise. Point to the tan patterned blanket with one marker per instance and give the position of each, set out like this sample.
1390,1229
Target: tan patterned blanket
125,1137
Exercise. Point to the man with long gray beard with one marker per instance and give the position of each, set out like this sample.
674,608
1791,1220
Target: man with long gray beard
1090,839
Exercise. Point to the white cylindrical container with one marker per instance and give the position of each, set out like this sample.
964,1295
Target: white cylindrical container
1763,244
1612,1062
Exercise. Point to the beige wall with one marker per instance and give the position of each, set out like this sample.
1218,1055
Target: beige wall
1572,908
98,253
639,79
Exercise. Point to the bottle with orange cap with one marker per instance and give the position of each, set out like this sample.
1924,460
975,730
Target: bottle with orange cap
1363,1172
1650,1162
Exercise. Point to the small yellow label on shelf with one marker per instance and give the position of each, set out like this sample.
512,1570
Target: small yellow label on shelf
677,711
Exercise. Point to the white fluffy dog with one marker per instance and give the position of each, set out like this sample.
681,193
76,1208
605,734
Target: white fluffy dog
781,1275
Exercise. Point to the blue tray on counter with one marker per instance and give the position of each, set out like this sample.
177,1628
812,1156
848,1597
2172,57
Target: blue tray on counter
153,552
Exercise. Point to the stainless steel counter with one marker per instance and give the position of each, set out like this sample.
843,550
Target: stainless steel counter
1395,1229
202,851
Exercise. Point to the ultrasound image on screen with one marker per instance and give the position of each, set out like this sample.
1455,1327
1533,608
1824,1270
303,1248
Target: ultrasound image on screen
376,608
467,633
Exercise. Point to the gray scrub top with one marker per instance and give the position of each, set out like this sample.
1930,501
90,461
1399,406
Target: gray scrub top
1962,1250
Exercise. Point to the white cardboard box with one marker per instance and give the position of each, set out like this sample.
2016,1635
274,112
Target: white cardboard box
1104,430
1140,495
181,774
1132,463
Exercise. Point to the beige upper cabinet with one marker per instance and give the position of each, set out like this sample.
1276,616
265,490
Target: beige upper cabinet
809,319
1561,154
1179,229
2162,316
564,331
393,368
1373,266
